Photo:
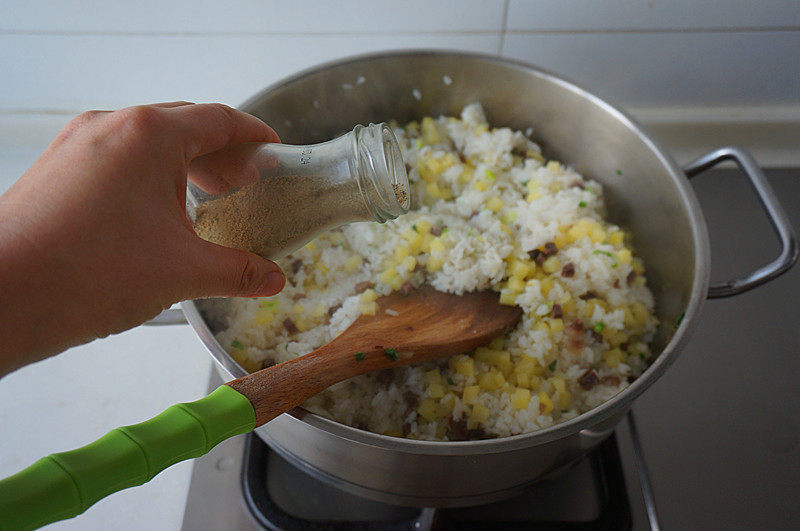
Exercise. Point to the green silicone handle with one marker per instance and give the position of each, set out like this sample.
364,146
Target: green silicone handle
65,484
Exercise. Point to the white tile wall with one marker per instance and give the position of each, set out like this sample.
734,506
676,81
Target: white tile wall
69,56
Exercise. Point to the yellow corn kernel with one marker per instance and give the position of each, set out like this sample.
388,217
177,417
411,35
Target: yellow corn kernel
435,390
409,263
640,313
437,246
396,282
369,295
434,264
553,165
616,237
423,226
369,308
480,185
483,354
526,365
508,297
578,231
533,196
556,325
508,388
624,256
541,325
387,276
352,263
532,185
534,155
446,405
521,398
562,240
597,234
569,307
319,311
465,366
429,132
302,324
494,203
433,376
559,384
516,284
400,252
491,381
433,190
263,316
640,281
545,286
545,403
321,267
497,343
499,357
311,246
413,238
638,266
426,243
470,394
523,380
480,413
519,270
551,265
298,308
612,358
427,409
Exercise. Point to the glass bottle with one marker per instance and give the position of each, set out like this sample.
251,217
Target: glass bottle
271,199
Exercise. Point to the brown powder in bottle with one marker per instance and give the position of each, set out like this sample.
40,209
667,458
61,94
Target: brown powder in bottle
279,214
400,193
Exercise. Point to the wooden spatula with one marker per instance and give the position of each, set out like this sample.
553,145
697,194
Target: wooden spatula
421,326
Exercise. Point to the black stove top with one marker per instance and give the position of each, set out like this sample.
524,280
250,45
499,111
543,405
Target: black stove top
282,497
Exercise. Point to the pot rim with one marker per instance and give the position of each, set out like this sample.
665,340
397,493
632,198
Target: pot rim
614,405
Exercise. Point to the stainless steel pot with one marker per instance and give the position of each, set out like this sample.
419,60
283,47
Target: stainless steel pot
646,193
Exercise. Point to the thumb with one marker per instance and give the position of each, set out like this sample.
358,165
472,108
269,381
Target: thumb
225,272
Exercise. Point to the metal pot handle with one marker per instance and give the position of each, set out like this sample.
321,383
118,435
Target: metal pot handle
775,213
170,316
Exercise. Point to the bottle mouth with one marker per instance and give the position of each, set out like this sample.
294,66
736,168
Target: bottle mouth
385,188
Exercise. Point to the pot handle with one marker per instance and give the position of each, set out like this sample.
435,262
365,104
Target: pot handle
170,316
775,213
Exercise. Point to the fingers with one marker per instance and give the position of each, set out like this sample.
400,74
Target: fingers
225,170
171,104
224,272
208,127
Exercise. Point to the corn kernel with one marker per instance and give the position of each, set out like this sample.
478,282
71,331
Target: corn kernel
396,282
437,246
298,308
480,185
556,325
409,263
369,308
553,165
616,237
427,409
321,267
499,357
433,190
435,390
640,313
638,266
639,281
445,406
624,256
319,310
470,394
465,366
551,265
516,284
545,403
352,263
545,286
301,324
429,132
612,358
483,354
508,297
434,264
494,203
423,226
480,413
497,343
263,316
387,275
369,295
426,243
562,240
433,376
400,252
521,399
533,196
523,380
532,185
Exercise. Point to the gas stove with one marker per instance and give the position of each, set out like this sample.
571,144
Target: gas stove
720,431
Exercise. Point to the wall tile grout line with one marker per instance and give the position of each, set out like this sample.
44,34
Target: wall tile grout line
503,32
503,28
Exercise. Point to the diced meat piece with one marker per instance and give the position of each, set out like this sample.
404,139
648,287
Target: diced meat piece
578,184
588,295
568,270
597,336
610,380
631,277
296,265
297,296
537,256
385,376
457,429
406,287
576,335
290,327
406,428
550,249
411,399
556,312
616,283
363,286
477,434
332,309
437,230
588,380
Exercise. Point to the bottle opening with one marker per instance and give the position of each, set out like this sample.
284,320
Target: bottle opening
382,172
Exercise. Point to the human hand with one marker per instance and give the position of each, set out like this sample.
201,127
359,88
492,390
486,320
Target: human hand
94,238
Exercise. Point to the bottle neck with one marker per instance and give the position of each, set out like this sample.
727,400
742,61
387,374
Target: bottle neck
380,171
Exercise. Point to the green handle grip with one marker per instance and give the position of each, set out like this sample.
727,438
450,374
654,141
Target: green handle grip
65,484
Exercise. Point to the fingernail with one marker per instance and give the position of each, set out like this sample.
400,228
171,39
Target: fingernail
273,283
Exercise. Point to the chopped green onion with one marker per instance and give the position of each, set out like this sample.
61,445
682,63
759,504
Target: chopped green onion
469,232
419,144
678,321
450,381
359,356
391,354
445,229
412,181
564,410
599,327
614,266
619,172
269,304
641,355
525,183
415,228
237,344
600,251
552,366
582,204
490,174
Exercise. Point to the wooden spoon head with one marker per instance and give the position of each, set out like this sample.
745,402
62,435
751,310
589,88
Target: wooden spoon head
427,324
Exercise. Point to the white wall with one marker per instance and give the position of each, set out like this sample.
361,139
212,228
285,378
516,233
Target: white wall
716,58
